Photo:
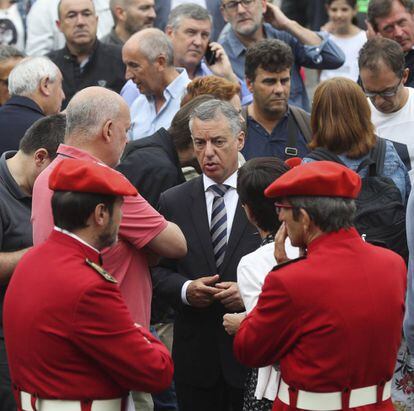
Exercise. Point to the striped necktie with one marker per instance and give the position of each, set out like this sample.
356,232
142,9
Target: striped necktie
218,225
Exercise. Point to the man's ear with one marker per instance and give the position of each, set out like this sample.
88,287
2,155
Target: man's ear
44,86
41,157
406,72
100,215
107,130
59,25
160,62
249,84
169,31
120,13
305,219
240,140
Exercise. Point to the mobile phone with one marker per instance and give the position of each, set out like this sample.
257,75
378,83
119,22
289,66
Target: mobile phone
210,56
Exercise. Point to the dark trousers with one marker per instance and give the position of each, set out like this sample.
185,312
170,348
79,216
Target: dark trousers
7,402
220,397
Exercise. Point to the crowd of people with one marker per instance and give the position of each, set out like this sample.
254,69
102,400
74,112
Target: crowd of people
185,227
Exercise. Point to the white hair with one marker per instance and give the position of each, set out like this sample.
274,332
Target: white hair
26,75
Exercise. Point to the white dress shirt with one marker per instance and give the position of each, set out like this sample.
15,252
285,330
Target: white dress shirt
230,202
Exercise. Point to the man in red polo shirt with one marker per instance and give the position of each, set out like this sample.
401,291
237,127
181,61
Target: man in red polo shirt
332,319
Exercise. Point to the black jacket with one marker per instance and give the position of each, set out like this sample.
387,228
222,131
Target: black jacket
104,68
151,165
16,116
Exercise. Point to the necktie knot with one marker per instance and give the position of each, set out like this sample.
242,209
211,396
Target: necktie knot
219,189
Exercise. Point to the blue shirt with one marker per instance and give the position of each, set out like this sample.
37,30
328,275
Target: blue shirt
259,143
130,91
326,55
145,121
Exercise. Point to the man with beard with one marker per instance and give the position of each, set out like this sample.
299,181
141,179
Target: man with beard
130,16
274,128
85,352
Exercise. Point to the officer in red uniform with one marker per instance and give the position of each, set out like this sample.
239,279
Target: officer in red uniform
71,342
333,318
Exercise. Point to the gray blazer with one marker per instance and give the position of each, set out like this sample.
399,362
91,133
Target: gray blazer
163,8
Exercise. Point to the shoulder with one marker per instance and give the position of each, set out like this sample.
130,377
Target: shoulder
109,49
289,266
56,55
182,192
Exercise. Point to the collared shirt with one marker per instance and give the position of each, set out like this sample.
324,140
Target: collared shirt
130,91
326,55
112,38
76,237
15,227
104,68
231,199
259,143
144,118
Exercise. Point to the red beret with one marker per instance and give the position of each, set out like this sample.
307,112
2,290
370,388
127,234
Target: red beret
319,178
89,177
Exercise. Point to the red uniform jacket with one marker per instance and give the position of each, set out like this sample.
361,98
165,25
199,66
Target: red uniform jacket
68,332
333,320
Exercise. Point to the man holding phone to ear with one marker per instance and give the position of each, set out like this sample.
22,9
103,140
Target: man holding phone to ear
189,29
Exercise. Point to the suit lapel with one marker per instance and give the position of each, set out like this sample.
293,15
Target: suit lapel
200,221
237,229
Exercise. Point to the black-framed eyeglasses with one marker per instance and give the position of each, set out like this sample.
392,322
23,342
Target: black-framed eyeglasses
384,94
279,207
232,5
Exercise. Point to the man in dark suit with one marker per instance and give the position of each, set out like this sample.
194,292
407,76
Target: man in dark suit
202,286
163,9
35,86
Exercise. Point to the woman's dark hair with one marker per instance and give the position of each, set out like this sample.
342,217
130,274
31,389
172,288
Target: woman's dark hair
351,3
71,210
252,179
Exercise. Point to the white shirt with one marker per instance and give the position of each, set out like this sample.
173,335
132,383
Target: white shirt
43,35
12,33
145,120
397,126
175,3
77,238
251,274
230,202
350,46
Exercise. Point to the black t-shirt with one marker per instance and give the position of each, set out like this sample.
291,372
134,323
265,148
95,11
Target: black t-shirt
15,212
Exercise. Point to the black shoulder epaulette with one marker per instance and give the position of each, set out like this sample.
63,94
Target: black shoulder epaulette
101,271
281,265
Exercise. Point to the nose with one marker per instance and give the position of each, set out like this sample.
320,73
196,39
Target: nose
197,41
277,88
241,8
151,13
128,74
209,149
80,19
398,31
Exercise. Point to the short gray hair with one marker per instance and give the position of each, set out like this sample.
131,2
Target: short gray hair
85,117
26,75
212,108
9,52
189,11
154,43
330,214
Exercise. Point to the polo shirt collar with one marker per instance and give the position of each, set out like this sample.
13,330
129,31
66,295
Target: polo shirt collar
74,152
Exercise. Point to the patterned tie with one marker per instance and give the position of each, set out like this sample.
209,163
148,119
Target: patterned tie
218,226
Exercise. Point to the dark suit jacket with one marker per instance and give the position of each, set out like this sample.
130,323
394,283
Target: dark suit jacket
202,349
16,116
163,9
151,165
